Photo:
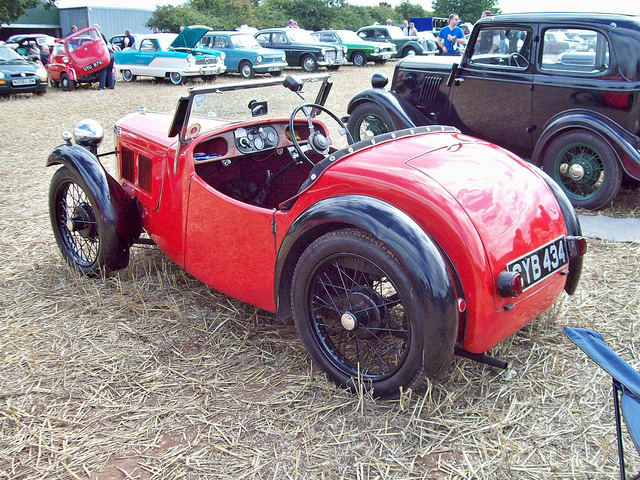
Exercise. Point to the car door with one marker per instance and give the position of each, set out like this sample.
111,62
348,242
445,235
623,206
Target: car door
222,44
571,79
230,244
490,96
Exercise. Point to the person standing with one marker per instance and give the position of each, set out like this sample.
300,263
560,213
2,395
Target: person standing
74,29
405,27
451,36
128,41
105,75
413,31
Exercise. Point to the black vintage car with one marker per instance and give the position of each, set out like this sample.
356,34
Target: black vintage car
302,49
573,111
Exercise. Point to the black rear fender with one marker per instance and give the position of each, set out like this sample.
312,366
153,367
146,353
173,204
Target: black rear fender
430,273
403,113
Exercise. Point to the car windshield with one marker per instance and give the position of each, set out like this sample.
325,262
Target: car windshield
244,41
301,36
206,107
166,39
349,36
8,54
85,38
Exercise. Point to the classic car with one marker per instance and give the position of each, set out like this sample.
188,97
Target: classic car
172,55
77,59
575,114
358,51
405,46
118,41
391,253
18,75
244,55
302,49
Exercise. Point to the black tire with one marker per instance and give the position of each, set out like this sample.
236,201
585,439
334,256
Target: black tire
333,68
276,74
309,63
66,84
359,59
409,51
78,227
369,117
586,168
246,69
127,76
53,83
354,311
176,78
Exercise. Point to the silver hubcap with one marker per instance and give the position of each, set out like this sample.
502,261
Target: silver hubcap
576,172
348,320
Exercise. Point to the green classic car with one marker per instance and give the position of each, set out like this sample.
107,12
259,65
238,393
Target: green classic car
359,51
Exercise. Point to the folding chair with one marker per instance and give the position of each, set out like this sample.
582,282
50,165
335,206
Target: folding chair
626,386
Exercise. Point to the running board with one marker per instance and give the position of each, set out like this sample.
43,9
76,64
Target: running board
481,358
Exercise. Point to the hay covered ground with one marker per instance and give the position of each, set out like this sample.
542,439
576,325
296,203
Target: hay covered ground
149,374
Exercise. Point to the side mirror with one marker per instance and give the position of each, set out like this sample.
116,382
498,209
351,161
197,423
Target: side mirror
379,80
258,108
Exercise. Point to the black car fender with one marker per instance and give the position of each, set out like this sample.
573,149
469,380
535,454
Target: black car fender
625,144
413,44
420,257
573,229
403,114
118,209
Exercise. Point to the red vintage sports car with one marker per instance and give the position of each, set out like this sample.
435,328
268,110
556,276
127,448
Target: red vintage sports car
391,253
77,59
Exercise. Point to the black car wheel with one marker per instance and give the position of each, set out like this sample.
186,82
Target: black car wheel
359,59
276,74
368,120
66,84
127,76
586,167
309,64
77,224
246,70
333,68
353,309
409,51
53,83
176,78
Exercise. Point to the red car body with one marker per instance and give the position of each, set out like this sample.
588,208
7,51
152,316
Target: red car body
454,211
77,58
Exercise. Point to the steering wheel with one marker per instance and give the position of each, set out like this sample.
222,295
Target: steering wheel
317,141
517,60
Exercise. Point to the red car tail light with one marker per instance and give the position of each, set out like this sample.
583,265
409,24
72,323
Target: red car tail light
509,284
577,246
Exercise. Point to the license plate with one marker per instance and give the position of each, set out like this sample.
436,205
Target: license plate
386,56
539,264
273,69
24,81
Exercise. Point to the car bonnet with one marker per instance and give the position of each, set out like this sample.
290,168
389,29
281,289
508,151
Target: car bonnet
190,36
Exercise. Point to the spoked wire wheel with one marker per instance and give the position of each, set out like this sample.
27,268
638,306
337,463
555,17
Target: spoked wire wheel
369,120
586,167
74,222
351,311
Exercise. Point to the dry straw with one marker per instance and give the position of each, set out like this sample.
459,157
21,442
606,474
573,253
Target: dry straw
149,374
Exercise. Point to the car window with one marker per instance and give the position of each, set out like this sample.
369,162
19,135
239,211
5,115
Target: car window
149,45
367,34
574,51
278,37
504,47
382,34
327,37
58,49
220,42
263,39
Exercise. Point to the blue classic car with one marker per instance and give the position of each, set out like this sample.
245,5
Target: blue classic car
244,55
168,54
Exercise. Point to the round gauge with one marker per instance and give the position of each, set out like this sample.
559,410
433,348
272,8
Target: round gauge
258,143
271,136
